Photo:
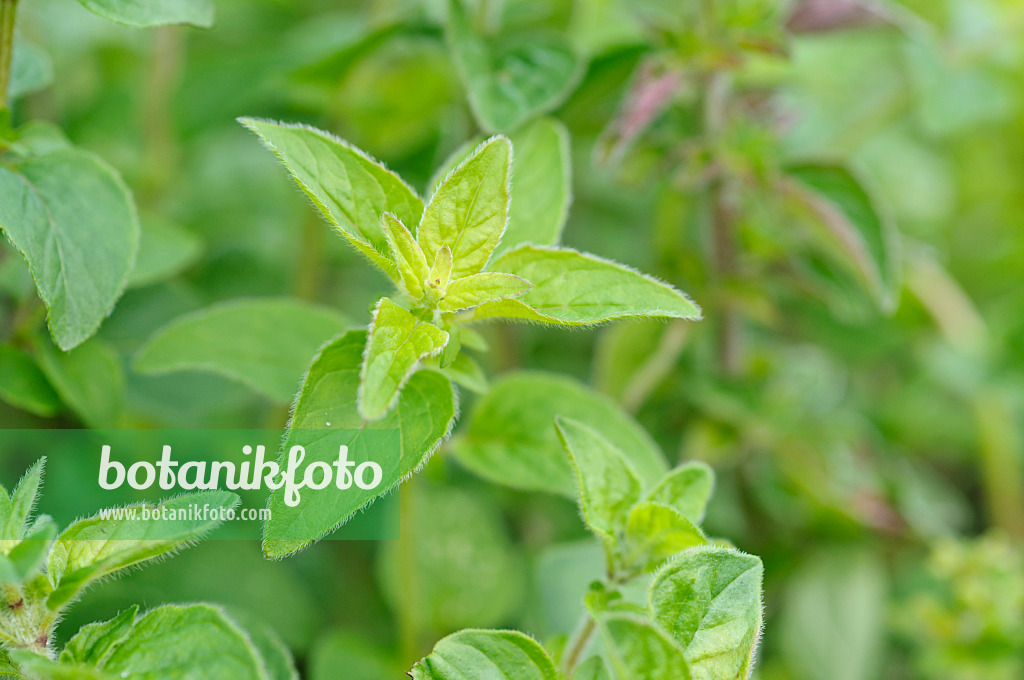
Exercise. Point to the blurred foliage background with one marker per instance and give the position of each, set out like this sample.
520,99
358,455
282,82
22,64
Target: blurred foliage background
870,453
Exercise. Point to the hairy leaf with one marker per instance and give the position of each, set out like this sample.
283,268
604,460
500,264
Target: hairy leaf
511,437
468,211
71,216
349,187
266,344
476,289
397,343
486,655
638,650
412,264
93,644
608,487
686,488
92,548
709,600
655,532
577,289
145,13
423,417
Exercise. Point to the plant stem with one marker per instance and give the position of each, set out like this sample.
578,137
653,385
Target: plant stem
160,153
8,11
578,643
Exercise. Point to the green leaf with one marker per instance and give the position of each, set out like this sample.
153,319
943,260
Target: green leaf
92,548
186,642
72,218
542,177
473,290
686,488
39,667
577,289
31,69
266,344
592,669
89,379
468,211
146,13
655,532
465,372
23,500
440,272
833,617
276,656
22,383
398,341
510,78
27,558
709,600
93,644
349,187
486,655
467,570
511,438
165,250
608,487
423,416
412,264
638,650
850,222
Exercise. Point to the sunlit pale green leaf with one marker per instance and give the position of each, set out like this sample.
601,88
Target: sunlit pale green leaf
709,600
655,532
72,218
608,486
146,13
423,416
351,189
468,211
686,488
577,289
510,78
511,437
397,343
266,344
486,655
412,265
473,290
93,644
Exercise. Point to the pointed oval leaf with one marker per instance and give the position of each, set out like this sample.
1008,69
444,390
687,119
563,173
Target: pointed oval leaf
22,383
577,289
266,344
23,500
851,223
686,488
412,265
348,186
92,548
154,12
510,78
709,600
608,487
486,655
655,532
423,417
398,341
217,649
468,211
72,218
476,289
93,644
511,437
639,650
89,379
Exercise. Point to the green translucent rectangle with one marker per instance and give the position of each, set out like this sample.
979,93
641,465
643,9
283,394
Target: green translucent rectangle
126,478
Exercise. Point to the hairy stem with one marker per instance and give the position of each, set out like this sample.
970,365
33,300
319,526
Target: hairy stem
8,12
